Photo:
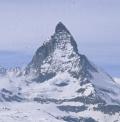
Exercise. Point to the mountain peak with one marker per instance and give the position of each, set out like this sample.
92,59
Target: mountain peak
61,27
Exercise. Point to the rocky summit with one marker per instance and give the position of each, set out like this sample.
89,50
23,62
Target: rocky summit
59,85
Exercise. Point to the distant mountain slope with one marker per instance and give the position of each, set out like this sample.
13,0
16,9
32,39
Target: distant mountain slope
117,80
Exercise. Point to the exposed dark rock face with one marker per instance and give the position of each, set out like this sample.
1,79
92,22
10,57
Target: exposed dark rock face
41,54
86,68
74,119
41,78
6,91
87,100
75,109
8,96
108,109
60,27
62,84
48,100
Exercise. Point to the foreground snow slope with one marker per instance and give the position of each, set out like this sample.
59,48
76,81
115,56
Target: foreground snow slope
37,112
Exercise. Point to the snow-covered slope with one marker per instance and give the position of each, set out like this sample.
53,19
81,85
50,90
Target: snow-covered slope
10,84
59,85
117,80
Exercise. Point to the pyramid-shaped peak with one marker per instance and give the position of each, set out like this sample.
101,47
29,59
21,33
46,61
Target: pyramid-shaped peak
61,27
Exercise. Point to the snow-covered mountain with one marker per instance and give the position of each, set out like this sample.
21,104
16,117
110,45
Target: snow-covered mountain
59,85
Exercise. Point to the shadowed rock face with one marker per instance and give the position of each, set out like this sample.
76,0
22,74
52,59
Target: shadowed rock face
75,109
41,78
61,27
8,96
73,119
41,54
108,109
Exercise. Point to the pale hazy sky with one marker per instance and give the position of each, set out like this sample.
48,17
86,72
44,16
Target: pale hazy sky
95,25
